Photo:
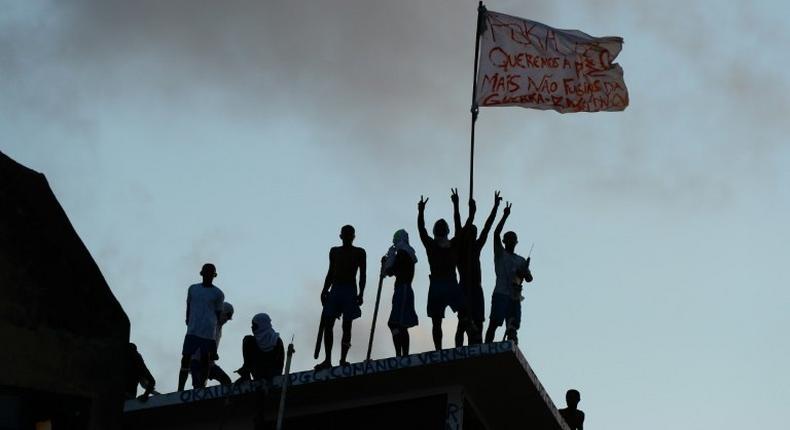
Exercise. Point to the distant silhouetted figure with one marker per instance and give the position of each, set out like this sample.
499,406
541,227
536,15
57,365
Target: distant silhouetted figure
204,305
215,372
472,313
399,262
339,295
511,270
573,416
263,351
137,373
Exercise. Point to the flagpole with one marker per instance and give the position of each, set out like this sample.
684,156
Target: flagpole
475,109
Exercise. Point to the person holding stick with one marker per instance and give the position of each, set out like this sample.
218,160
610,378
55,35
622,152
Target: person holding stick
511,270
339,295
399,262
442,254
472,314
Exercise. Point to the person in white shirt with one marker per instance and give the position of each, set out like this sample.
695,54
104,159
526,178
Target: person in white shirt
204,305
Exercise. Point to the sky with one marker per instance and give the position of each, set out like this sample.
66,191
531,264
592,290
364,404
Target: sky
246,133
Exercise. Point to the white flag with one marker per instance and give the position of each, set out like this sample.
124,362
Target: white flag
529,64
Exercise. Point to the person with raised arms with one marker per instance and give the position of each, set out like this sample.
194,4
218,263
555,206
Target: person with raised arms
472,314
339,296
443,290
511,270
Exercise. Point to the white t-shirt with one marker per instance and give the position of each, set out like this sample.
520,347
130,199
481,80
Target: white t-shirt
510,270
203,303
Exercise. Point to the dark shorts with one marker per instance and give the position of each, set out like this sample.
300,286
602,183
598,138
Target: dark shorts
441,294
194,344
474,304
403,313
342,300
504,308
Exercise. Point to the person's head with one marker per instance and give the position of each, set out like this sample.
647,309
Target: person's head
347,234
472,232
510,240
226,314
208,272
572,398
262,322
400,236
440,229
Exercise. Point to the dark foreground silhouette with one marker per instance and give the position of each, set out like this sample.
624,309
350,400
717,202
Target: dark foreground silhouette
571,414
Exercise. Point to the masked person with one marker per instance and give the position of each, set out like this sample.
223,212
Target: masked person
263,351
215,372
399,262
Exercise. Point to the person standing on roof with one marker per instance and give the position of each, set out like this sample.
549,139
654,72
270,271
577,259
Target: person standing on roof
443,290
472,313
399,262
215,372
339,296
204,305
511,270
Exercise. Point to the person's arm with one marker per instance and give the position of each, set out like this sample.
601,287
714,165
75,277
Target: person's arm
472,211
147,380
363,267
279,357
328,279
218,306
456,212
499,227
426,240
489,221
186,319
581,421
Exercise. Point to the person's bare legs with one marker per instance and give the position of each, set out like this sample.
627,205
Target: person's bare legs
490,332
183,372
345,341
329,324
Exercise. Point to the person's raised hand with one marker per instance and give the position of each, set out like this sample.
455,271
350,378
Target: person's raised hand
472,206
454,195
508,205
421,204
497,198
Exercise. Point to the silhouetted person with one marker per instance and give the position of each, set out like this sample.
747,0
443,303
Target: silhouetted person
204,304
472,314
511,270
215,372
573,416
442,254
399,262
137,373
263,351
339,295
264,356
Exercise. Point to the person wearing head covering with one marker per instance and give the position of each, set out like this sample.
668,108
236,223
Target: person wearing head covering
443,290
263,351
215,372
399,262
204,305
